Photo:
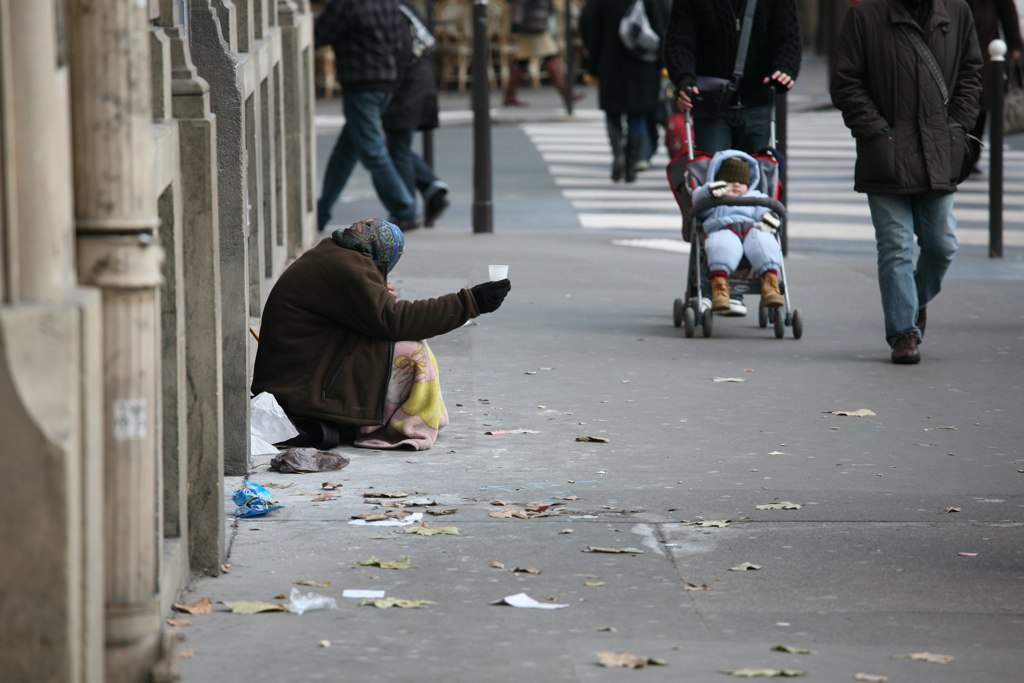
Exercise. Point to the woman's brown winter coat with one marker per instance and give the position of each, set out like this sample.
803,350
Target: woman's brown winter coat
890,100
328,333
989,15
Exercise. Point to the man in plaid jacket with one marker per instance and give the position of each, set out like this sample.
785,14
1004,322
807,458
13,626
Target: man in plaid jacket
369,39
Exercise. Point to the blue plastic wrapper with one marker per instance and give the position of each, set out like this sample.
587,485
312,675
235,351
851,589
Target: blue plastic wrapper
252,500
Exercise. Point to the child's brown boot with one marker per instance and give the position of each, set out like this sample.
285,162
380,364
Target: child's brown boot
719,293
771,297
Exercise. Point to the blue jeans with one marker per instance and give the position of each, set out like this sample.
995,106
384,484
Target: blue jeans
747,129
905,289
362,139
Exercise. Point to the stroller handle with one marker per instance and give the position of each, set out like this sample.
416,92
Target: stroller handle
710,202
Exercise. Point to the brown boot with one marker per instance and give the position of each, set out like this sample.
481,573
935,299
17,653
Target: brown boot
904,349
515,76
719,293
554,69
771,297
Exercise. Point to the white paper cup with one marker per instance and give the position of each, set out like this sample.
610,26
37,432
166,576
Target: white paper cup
497,272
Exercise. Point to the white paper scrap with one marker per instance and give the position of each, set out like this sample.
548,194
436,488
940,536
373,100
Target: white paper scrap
524,600
411,519
728,379
362,593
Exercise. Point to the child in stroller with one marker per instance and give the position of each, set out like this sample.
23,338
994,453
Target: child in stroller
734,231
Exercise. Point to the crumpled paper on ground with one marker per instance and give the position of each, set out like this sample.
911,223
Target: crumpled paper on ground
268,424
298,460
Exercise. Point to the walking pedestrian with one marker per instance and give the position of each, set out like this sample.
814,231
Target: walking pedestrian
628,87
414,108
533,41
908,136
702,40
369,38
992,19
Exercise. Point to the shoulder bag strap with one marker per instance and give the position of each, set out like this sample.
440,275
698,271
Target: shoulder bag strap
929,60
741,51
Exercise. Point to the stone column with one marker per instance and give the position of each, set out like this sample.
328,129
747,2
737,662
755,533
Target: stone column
116,221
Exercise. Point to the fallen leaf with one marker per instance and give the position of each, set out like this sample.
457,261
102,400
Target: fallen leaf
593,584
330,486
497,565
525,570
626,660
440,513
870,678
751,672
790,649
281,596
583,438
387,503
565,531
324,497
385,603
606,629
255,606
226,567
501,502
713,523
953,509
401,563
274,485
967,554
598,549
186,653
782,505
200,606
860,412
179,622
695,587
432,531
931,657
379,516
745,567
383,494
508,514
570,497
314,584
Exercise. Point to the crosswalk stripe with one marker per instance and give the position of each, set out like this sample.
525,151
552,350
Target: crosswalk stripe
821,201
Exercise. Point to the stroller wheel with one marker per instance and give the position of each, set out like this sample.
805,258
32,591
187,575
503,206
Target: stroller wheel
677,312
780,323
798,324
762,317
691,321
706,322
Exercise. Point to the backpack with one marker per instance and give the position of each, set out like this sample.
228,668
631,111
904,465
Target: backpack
637,35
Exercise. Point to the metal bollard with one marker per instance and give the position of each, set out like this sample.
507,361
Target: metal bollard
428,135
997,59
483,200
570,70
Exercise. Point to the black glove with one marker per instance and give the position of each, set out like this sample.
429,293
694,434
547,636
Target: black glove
489,295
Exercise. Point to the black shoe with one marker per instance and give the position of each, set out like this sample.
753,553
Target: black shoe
922,319
904,351
435,206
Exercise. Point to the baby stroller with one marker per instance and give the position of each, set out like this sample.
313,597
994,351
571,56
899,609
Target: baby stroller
686,172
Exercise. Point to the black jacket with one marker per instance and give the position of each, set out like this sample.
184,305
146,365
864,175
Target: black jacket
369,38
414,105
703,36
531,16
890,100
626,84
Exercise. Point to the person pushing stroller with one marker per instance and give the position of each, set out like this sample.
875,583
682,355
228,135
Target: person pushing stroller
732,232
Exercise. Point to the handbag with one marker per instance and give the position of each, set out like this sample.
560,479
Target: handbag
1013,101
636,33
716,95
960,141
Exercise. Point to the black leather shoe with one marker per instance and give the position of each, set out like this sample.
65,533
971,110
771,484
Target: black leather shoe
904,351
922,319
435,206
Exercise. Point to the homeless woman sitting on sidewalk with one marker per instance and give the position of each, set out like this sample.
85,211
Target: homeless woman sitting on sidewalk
338,346
737,231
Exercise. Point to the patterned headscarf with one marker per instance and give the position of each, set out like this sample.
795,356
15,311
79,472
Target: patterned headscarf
380,240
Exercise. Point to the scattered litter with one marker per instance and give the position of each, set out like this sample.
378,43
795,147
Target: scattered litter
385,603
751,672
626,660
422,501
313,584
253,499
502,432
707,523
300,460
324,643
440,513
329,486
497,565
860,412
695,587
268,424
411,519
275,485
255,606
179,622
870,678
530,372
728,379
323,498
525,570
583,438
186,652
930,657
299,602
606,629
781,505
524,600
424,530
745,567
953,509
776,453
200,606
380,516
401,563
385,494
565,531
362,593
593,584
629,551
967,554
790,649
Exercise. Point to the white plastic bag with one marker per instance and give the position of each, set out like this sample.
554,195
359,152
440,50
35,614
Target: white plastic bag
269,424
299,602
